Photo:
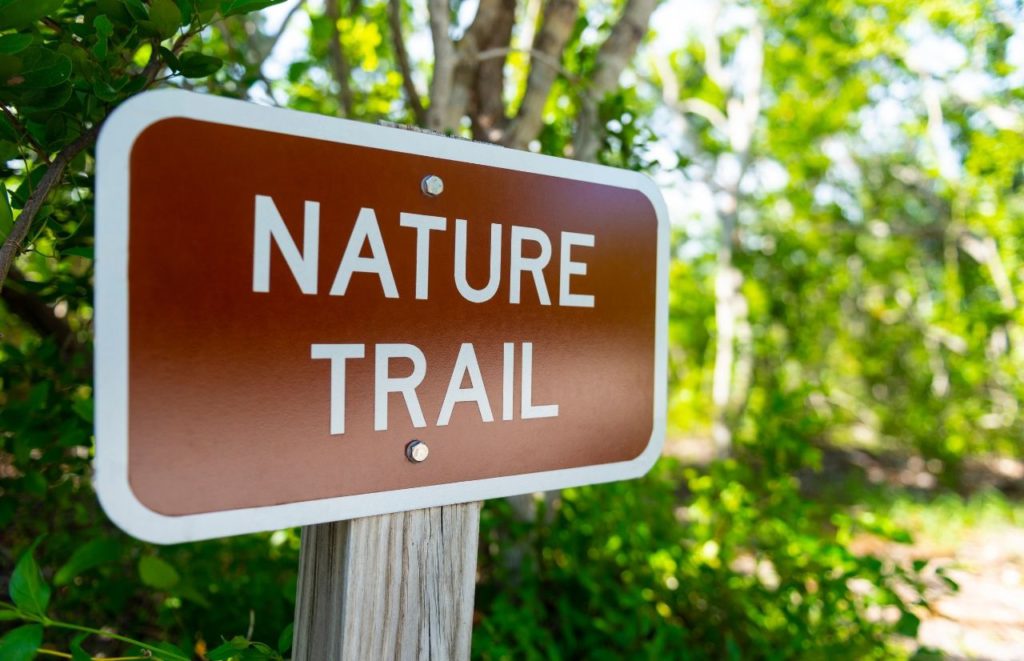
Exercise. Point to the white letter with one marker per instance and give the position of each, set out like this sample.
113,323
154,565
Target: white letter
365,229
268,223
508,380
423,225
385,384
533,264
570,268
337,354
466,363
468,292
528,409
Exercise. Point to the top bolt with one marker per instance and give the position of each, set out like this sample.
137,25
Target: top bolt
432,185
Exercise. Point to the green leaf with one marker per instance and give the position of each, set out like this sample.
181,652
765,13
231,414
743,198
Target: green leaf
103,25
38,101
92,554
14,43
104,91
284,641
229,649
166,17
6,215
21,644
7,131
19,14
104,29
157,573
186,7
170,59
908,625
197,65
40,67
80,251
137,9
77,653
28,590
192,594
101,48
231,7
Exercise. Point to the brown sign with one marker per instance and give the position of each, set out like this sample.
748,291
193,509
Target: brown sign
287,303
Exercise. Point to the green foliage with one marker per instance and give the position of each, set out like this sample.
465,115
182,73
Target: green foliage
742,563
21,644
29,591
157,573
869,272
94,553
30,594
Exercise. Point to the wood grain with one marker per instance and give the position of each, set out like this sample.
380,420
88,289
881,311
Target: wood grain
397,586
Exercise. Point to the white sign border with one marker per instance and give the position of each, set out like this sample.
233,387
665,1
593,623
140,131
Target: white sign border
113,151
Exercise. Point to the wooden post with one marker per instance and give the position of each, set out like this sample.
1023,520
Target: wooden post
397,586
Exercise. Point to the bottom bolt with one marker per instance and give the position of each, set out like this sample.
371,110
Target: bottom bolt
416,451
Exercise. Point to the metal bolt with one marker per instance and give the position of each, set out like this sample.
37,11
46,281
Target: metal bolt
416,451
432,185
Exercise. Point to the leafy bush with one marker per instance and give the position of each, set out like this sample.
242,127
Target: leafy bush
730,561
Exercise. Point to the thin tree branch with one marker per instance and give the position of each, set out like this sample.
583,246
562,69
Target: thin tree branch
612,58
37,314
339,63
250,58
272,44
445,60
54,171
744,107
670,95
412,95
702,108
713,52
559,19
489,120
543,58
12,244
492,16
22,131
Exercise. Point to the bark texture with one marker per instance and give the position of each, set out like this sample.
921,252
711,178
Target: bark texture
469,74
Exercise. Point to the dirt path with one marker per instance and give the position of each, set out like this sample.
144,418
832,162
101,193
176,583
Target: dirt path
985,618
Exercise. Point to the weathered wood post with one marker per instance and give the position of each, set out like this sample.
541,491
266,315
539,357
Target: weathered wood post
395,586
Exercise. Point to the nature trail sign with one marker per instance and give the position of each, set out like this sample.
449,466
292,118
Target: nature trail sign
303,319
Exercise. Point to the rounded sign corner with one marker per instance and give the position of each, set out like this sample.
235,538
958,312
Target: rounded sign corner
121,506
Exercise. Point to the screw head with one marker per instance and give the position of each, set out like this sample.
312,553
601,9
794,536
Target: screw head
432,185
417,451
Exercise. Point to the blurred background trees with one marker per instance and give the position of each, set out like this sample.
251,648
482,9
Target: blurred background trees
845,182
